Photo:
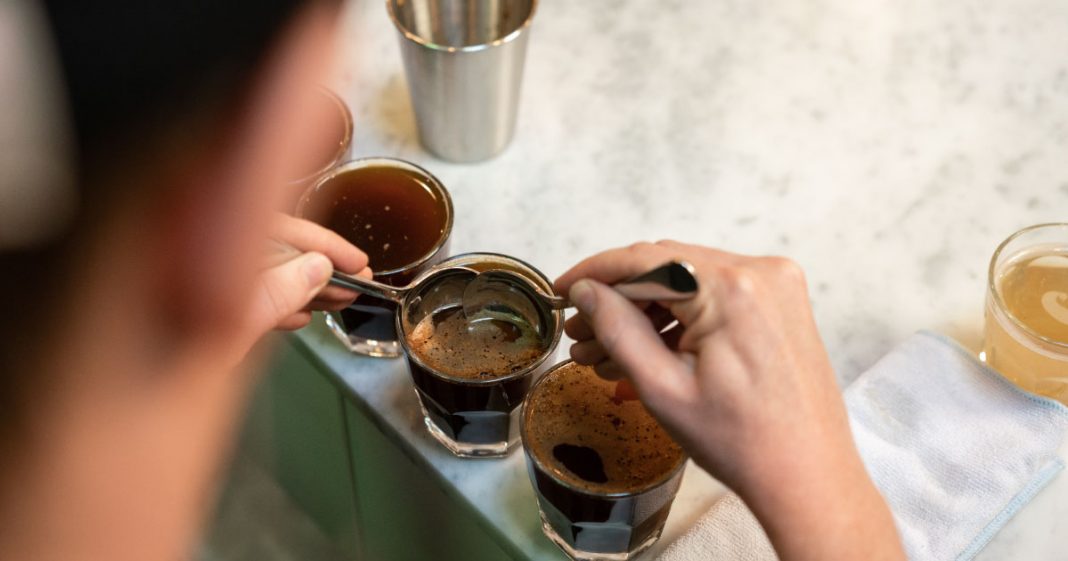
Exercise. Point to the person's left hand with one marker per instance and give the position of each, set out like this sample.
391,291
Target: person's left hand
292,286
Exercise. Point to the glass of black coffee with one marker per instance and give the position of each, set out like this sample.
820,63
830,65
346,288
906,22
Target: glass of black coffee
604,472
401,216
472,373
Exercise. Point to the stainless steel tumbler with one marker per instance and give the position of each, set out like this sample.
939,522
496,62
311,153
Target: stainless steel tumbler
464,62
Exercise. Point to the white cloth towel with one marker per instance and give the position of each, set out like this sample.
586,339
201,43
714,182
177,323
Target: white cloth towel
955,448
727,532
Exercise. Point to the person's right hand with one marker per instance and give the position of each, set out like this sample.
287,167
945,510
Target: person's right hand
293,283
744,384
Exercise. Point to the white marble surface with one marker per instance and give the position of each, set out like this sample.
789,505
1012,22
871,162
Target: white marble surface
887,146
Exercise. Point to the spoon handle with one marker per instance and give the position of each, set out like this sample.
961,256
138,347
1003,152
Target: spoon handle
671,282
351,282
367,286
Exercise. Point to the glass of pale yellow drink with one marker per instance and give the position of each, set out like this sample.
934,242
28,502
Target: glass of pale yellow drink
1027,310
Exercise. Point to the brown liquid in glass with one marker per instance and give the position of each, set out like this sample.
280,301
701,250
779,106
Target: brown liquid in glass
453,345
392,214
589,437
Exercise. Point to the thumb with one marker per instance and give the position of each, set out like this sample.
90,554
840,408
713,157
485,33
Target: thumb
286,289
630,339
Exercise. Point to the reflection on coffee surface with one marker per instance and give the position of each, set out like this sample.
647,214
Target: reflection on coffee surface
586,435
480,348
388,212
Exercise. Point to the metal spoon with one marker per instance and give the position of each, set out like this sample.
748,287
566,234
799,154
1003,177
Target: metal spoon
371,287
495,288
367,286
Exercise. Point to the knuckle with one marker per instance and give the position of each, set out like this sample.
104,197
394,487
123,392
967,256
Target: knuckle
738,281
669,244
641,248
785,268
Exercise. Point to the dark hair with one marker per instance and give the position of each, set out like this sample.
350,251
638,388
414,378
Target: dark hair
133,70
132,66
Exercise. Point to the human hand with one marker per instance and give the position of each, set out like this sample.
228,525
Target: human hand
293,285
743,383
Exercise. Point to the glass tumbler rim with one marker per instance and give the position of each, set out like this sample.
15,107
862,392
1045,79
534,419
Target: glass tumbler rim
386,161
452,261
995,291
346,141
523,423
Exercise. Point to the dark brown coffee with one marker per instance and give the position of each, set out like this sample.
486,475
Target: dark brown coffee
605,473
486,348
472,373
589,437
470,414
371,318
462,352
390,213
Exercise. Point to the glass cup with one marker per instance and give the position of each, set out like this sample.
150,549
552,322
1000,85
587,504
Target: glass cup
411,213
471,415
594,510
1027,310
339,133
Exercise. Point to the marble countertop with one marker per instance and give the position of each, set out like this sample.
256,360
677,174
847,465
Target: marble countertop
887,146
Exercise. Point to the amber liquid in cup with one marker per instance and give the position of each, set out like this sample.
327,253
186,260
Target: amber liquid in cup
605,473
398,214
1027,310
472,374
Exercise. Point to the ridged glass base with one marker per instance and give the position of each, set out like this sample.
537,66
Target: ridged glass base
579,555
464,449
360,345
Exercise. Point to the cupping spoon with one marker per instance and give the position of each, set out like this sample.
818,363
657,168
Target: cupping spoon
367,286
670,282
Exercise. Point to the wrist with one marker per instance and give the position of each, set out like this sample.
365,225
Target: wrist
824,510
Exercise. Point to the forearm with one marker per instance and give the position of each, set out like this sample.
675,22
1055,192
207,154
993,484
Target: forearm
825,514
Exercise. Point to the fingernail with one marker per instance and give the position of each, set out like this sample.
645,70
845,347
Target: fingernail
317,269
583,297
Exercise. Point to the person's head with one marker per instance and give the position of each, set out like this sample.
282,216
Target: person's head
122,327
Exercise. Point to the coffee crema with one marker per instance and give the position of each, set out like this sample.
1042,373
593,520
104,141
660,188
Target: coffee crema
486,349
578,427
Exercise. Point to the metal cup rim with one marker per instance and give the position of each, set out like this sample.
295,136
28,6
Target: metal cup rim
411,36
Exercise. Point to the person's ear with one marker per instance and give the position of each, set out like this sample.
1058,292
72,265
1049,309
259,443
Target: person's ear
216,218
